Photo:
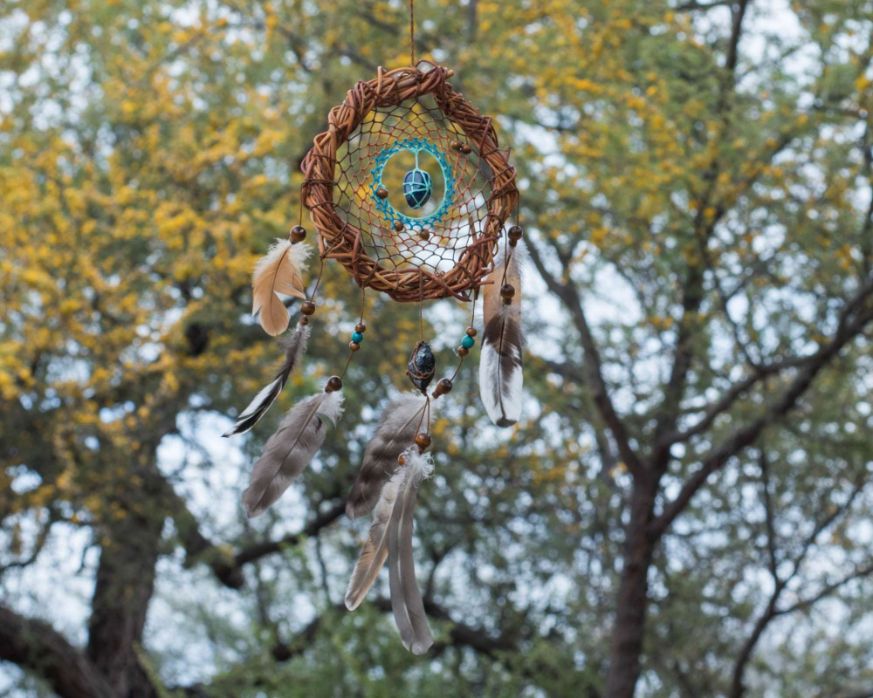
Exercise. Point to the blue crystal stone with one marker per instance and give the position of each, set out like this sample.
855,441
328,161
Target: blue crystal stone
421,366
417,187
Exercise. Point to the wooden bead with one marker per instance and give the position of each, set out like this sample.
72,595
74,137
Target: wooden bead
308,308
333,384
444,386
471,331
398,226
360,327
507,291
466,149
515,233
462,351
354,346
382,193
298,234
422,440
423,234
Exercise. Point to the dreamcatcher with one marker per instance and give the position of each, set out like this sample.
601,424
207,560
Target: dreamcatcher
409,191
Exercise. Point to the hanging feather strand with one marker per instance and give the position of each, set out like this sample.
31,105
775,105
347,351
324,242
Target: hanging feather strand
295,347
396,432
500,360
287,452
406,601
279,271
375,549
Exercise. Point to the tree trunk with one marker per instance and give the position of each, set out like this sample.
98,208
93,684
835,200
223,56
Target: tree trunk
630,615
125,581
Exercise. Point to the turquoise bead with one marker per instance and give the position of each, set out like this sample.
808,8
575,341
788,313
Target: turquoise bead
467,341
357,337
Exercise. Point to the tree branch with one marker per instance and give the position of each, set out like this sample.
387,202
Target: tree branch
851,324
592,365
37,647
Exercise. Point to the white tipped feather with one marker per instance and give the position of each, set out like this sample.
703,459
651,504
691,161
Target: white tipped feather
500,359
257,408
287,452
279,271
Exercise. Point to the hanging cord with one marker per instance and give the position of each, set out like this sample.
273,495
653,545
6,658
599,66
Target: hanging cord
412,33
472,324
508,249
420,307
425,415
361,324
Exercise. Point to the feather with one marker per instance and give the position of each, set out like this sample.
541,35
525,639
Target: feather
375,549
295,347
500,360
406,601
279,271
396,432
287,452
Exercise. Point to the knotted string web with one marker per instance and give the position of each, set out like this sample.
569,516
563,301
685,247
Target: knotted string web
412,182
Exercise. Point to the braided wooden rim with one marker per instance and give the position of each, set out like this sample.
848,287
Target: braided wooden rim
342,241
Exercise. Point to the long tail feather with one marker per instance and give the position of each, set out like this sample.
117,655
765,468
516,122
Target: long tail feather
500,360
257,408
396,432
406,601
279,271
287,452
374,552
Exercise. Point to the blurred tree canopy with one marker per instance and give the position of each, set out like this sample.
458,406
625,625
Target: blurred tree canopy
684,510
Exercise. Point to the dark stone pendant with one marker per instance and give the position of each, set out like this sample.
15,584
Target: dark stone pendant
417,187
421,366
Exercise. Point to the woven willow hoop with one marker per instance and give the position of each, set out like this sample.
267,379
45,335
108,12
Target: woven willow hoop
342,240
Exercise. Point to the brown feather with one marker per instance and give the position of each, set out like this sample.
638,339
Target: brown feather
287,452
375,549
279,271
396,432
406,602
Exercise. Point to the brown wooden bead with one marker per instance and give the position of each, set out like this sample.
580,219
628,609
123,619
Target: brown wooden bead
333,384
423,234
422,440
398,226
466,149
354,346
360,327
307,308
462,351
515,233
471,331
298,234
457,145
382,193
507,291
444,386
